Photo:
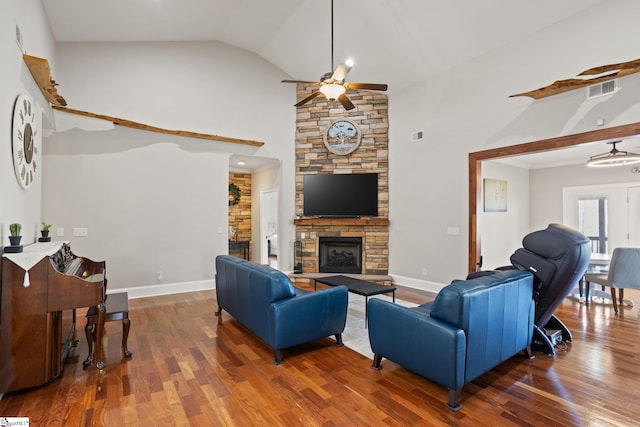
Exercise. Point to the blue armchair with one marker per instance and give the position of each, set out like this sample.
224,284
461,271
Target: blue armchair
471,327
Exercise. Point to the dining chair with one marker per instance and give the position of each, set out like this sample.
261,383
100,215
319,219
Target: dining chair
624,273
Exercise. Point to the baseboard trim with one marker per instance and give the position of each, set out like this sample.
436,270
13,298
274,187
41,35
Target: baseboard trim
166,288
423,285
203,285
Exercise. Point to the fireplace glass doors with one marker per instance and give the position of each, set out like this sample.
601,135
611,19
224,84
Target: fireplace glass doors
340,255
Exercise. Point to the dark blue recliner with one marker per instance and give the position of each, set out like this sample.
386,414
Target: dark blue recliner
471,327
558,257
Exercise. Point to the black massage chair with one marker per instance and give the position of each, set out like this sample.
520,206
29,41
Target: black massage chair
558,257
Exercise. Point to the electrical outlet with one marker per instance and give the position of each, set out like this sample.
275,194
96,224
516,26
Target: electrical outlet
80,232
424,271
160,276
60,232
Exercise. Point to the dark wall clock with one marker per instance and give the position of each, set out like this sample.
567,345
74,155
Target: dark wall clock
24,140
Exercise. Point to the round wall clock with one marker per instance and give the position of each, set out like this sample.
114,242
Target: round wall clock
24,137
342,137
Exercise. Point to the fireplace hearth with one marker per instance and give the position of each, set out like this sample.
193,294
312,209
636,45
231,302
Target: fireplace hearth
340,255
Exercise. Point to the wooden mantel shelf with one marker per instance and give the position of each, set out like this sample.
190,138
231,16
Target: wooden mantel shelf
365,222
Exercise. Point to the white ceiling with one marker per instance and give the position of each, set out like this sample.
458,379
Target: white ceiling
398,42
578,154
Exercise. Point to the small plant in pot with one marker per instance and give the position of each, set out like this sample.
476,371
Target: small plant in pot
15,237
45,232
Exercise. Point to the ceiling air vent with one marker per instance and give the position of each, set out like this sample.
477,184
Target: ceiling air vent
602,89
417,136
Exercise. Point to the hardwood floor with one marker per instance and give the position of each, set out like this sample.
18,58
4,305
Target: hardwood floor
190,368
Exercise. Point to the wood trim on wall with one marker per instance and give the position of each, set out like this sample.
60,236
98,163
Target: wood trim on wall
475,170
141,126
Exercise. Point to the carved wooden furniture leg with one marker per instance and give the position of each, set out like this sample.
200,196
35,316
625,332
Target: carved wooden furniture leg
99,334
90,331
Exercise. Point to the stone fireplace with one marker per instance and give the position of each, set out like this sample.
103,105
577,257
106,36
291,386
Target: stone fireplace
340,255
372,232
313,120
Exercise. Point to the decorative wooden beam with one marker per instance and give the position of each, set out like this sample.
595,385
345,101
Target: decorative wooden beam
561,86
475,170
39,68
142,126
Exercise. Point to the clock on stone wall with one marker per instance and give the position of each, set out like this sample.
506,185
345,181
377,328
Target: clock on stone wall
342,137
24,140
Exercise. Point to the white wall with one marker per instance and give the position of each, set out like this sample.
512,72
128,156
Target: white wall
547,185
154,202
502,232
469,109
149,208
16,204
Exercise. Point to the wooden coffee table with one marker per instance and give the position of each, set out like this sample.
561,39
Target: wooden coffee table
357,286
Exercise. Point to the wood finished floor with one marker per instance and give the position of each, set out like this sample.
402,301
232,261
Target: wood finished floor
190,368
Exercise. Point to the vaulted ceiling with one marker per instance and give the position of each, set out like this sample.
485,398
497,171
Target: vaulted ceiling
398,42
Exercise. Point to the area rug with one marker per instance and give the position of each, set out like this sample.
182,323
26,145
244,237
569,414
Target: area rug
356,335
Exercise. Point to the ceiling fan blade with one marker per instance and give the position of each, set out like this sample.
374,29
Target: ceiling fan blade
346,102
369,86
341,72
308,98
299,81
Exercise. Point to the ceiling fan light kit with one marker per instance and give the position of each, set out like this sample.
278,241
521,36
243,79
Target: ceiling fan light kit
614,157
332,84
332,91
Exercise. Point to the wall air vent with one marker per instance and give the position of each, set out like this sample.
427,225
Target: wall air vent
417,136
602,89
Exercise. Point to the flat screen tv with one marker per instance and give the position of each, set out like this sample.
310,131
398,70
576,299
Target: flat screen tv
341,195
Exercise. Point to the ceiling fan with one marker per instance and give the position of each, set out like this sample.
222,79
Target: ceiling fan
332,84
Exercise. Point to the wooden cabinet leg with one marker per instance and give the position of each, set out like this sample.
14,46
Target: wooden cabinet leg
126,325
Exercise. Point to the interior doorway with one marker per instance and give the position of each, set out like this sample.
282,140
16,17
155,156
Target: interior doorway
475,171
269,233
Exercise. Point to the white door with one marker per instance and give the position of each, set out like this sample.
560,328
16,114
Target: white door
633,208
599,212
269,233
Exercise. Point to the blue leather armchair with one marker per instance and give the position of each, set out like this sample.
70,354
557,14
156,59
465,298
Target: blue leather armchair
264,300
471,327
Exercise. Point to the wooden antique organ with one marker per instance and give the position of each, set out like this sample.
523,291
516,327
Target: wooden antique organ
40,290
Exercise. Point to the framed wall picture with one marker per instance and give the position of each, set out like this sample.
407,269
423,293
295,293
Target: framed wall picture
495,195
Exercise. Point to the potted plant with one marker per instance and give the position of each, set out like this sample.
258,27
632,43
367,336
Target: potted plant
45,232
15,236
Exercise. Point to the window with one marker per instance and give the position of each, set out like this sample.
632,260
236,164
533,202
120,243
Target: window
593,222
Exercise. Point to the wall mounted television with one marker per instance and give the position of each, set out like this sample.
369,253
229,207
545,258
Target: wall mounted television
341,195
